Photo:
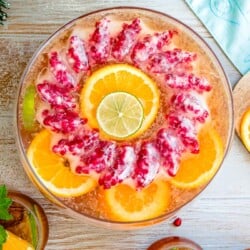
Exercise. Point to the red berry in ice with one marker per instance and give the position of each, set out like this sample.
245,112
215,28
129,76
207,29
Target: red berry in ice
164,62
121,169
77,55
64,121
57,96
149,45
147,166
125,40
100,42
191,104
63,76
187,82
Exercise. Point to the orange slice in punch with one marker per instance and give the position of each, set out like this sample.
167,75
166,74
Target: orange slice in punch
127,204
53,171
197,169
120,78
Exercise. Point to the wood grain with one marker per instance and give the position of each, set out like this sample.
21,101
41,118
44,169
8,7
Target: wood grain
217,219
241,94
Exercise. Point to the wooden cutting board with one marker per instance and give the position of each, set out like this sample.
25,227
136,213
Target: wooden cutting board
241,95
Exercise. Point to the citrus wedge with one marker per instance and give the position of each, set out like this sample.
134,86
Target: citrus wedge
53,171
119,78
14,242
28,114
245,129
197,169
127,204
119,115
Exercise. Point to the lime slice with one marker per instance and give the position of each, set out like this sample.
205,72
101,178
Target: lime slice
119,115
29,107
33,227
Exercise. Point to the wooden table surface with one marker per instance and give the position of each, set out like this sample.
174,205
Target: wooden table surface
218,219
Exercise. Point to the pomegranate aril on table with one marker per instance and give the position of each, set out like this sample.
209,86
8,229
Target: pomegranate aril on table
170,148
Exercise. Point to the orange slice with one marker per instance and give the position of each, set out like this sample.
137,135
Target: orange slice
245,129
196,169
14,242
119,78
52,170
127,204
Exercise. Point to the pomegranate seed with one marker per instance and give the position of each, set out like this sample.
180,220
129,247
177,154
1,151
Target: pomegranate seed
61,147
81,170
177,222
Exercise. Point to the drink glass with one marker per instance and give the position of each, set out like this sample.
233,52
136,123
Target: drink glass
29,220
174,243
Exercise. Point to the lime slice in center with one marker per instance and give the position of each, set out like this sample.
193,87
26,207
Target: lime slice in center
119,115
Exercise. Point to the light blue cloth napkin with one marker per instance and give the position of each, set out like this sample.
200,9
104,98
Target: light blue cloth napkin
229,23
